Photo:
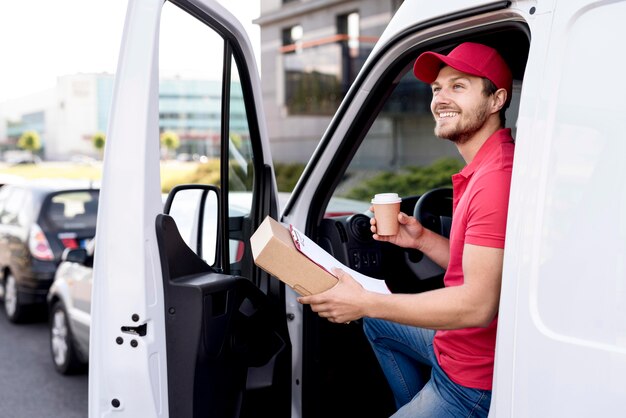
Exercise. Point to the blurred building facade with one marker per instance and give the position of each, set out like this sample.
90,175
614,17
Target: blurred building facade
311,51
68,116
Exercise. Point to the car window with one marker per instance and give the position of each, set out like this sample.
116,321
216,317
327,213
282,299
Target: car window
72,210
15,210
5,192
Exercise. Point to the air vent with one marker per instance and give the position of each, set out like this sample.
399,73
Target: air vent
360,227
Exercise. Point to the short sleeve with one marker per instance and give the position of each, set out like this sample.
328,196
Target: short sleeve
488,208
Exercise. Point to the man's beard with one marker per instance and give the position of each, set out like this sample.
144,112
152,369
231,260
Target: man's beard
465,129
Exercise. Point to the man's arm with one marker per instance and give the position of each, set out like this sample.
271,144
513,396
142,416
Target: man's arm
472,304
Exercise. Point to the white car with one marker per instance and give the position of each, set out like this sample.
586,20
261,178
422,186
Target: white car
69,310
173,335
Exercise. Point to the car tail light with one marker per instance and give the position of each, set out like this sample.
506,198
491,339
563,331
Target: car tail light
38,244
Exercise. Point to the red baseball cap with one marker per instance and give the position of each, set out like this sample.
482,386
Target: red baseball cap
470,58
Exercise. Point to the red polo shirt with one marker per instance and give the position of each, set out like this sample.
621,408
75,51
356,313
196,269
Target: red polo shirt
481,199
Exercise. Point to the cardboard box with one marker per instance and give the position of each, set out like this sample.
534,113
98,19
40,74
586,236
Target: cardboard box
274,251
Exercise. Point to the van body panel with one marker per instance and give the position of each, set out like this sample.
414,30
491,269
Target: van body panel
413,13
562,305
127,268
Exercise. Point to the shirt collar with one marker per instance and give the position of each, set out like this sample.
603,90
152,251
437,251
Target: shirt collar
500,136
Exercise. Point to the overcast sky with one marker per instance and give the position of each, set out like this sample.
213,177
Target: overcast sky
43,39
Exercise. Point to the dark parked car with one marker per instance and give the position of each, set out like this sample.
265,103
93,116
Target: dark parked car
39,219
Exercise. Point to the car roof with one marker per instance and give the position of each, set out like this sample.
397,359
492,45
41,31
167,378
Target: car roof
40,189
43,186
10,179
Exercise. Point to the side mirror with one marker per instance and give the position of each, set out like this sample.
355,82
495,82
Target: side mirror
76,255
195,209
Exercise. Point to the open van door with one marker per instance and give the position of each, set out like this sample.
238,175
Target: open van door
177,331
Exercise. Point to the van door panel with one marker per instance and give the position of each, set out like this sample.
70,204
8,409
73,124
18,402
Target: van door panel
221,327
218,326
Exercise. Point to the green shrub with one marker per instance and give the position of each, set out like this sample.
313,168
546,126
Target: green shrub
287,175
205,173
413,181
209,173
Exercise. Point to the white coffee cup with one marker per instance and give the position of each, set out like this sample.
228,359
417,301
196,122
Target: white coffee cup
386,209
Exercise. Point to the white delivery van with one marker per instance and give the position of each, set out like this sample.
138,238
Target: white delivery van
185,325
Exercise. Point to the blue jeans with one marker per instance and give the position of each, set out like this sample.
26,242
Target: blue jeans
405,353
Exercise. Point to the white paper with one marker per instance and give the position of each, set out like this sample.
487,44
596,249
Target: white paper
320,257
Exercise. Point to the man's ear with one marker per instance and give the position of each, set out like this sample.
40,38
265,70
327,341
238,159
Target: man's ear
499,99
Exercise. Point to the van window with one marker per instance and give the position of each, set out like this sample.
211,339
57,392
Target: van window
190,96
400,148
400,152
194,107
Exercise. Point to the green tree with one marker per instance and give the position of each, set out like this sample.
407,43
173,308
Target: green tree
170,141
98,141
29,141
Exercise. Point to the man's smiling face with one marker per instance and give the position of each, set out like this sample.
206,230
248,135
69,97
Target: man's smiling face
459,105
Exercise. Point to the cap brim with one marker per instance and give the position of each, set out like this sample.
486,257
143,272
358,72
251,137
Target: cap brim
428,64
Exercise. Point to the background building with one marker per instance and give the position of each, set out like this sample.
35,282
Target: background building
69,115
311,51
66,117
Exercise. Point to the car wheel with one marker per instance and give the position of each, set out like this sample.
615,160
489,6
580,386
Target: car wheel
64,355
14,310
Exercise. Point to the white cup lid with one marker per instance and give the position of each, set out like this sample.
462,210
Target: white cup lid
382,198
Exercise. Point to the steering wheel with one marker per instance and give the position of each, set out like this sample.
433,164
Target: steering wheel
434,211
